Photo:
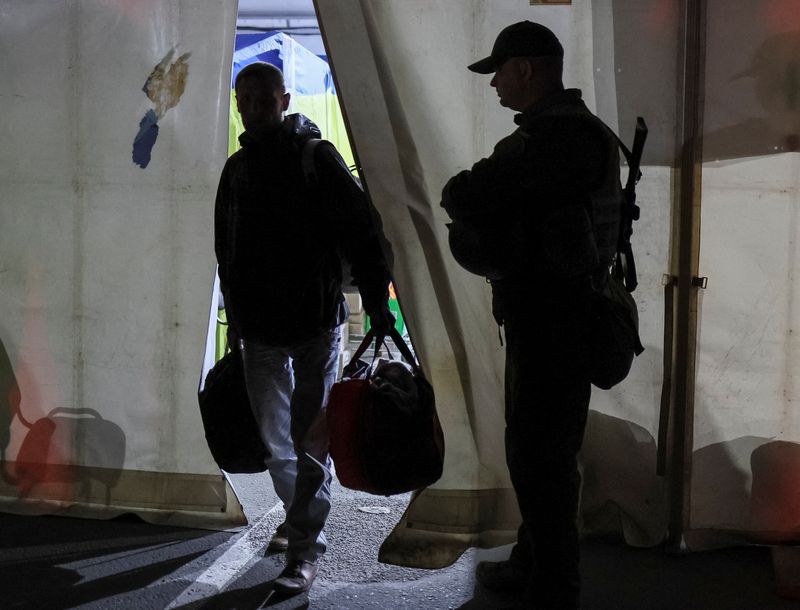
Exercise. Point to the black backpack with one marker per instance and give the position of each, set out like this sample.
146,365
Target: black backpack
231,430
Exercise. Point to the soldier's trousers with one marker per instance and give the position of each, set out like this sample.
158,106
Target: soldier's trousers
547,400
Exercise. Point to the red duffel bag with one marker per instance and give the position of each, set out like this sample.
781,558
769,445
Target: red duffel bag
385,435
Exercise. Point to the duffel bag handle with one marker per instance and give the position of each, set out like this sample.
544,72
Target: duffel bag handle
404,350
352,367
363,347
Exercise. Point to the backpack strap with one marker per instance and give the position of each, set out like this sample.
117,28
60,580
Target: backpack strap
307,160
309,168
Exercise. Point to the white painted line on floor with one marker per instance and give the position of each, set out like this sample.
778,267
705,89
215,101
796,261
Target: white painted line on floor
229,564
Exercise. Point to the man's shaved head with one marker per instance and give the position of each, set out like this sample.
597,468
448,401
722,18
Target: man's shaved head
261,96
271,76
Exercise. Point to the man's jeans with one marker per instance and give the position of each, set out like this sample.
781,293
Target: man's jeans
288,389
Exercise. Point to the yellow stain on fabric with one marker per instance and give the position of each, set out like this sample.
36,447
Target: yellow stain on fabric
167,82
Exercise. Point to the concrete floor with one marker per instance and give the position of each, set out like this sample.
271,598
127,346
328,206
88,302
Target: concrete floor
54,562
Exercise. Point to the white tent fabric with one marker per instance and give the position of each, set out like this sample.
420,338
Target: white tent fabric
106,254
746,461
417,117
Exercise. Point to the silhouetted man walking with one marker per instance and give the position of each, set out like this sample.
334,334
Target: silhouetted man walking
279,243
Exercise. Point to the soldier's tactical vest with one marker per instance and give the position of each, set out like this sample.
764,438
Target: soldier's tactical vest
606,200
579,240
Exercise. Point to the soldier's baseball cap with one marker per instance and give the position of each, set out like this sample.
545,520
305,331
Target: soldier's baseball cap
523,39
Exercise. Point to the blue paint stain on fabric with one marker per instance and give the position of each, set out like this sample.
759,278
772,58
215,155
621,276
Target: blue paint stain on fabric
145,139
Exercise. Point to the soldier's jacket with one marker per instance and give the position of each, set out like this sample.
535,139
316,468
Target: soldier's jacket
548,198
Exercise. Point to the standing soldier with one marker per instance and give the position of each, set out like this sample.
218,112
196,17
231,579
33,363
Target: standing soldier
539,218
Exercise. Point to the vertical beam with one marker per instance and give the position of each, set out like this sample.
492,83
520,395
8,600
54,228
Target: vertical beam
690,141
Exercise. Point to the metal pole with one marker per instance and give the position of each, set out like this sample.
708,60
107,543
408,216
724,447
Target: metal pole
690,140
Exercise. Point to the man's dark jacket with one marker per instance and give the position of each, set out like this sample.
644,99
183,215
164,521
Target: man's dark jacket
279,240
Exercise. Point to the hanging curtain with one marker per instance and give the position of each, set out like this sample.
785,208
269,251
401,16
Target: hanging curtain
115,131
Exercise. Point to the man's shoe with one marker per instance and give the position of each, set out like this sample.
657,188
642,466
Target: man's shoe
297,577
502,575
280,539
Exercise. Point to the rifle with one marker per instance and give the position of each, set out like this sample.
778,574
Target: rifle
624,269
